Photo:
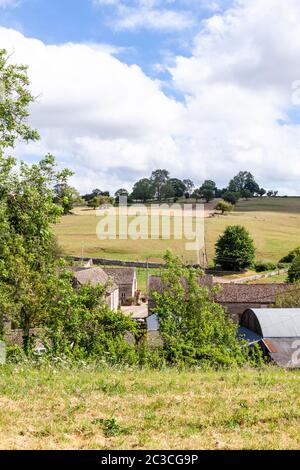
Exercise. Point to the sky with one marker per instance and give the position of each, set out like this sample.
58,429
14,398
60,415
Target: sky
203,88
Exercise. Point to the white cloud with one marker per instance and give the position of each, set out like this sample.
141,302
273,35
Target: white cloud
99,115
113,124
147,14
239,81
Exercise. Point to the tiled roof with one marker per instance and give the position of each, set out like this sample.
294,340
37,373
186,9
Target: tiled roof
121,275
234,293
94,277
250,293
155,283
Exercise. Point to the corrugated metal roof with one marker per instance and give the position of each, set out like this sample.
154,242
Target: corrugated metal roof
248,335
284,351
277,322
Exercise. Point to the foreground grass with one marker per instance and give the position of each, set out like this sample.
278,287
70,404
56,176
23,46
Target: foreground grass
50,408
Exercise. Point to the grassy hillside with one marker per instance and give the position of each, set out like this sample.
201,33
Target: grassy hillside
273,222
47,408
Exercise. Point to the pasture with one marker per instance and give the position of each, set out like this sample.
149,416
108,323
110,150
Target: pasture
93,407
274,223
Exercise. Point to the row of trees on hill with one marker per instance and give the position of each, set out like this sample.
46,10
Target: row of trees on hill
161,187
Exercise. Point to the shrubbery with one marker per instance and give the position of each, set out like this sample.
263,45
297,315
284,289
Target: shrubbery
261,267
195,330
291,256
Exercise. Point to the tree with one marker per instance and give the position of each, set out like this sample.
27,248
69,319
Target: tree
189,186
95,193
14,103
121,192
261,192
294,270
194,329
235,249
224,207
246,194
27,243
66,196
80,323
207,190
94,202
244,180
143,190
158,180
197,194
178,186
231,197
167,191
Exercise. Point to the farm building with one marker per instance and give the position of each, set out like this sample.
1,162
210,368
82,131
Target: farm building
126,280
96,276
277,331
236,298
155,285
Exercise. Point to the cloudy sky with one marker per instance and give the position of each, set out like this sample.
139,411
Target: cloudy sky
204,88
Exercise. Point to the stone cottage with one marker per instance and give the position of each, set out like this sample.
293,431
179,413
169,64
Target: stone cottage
96,276
126,280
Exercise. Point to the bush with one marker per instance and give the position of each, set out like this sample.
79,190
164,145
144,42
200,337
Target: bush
294,270
291,256
235,249
260,267
194,329
231,197
224,207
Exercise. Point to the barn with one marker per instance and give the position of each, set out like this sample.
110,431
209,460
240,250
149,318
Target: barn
277,331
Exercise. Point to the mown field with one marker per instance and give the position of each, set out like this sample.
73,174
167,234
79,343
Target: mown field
90,408
274,224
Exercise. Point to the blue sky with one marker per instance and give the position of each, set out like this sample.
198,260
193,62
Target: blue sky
60,21
205,88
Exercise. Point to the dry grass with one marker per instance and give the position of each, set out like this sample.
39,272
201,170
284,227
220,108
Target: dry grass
274,224
49,408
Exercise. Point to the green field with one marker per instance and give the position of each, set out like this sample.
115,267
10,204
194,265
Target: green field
94,408
274,224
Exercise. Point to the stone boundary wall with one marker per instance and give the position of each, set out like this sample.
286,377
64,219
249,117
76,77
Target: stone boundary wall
144,264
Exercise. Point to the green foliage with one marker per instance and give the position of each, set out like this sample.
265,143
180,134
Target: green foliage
66,196
231,197
99,201
289,299
158,180
178,187
291,256
207,190
261,267
143,190
294,270
15,100
235,249
194,329
224,207
27,244
244,183
80,323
